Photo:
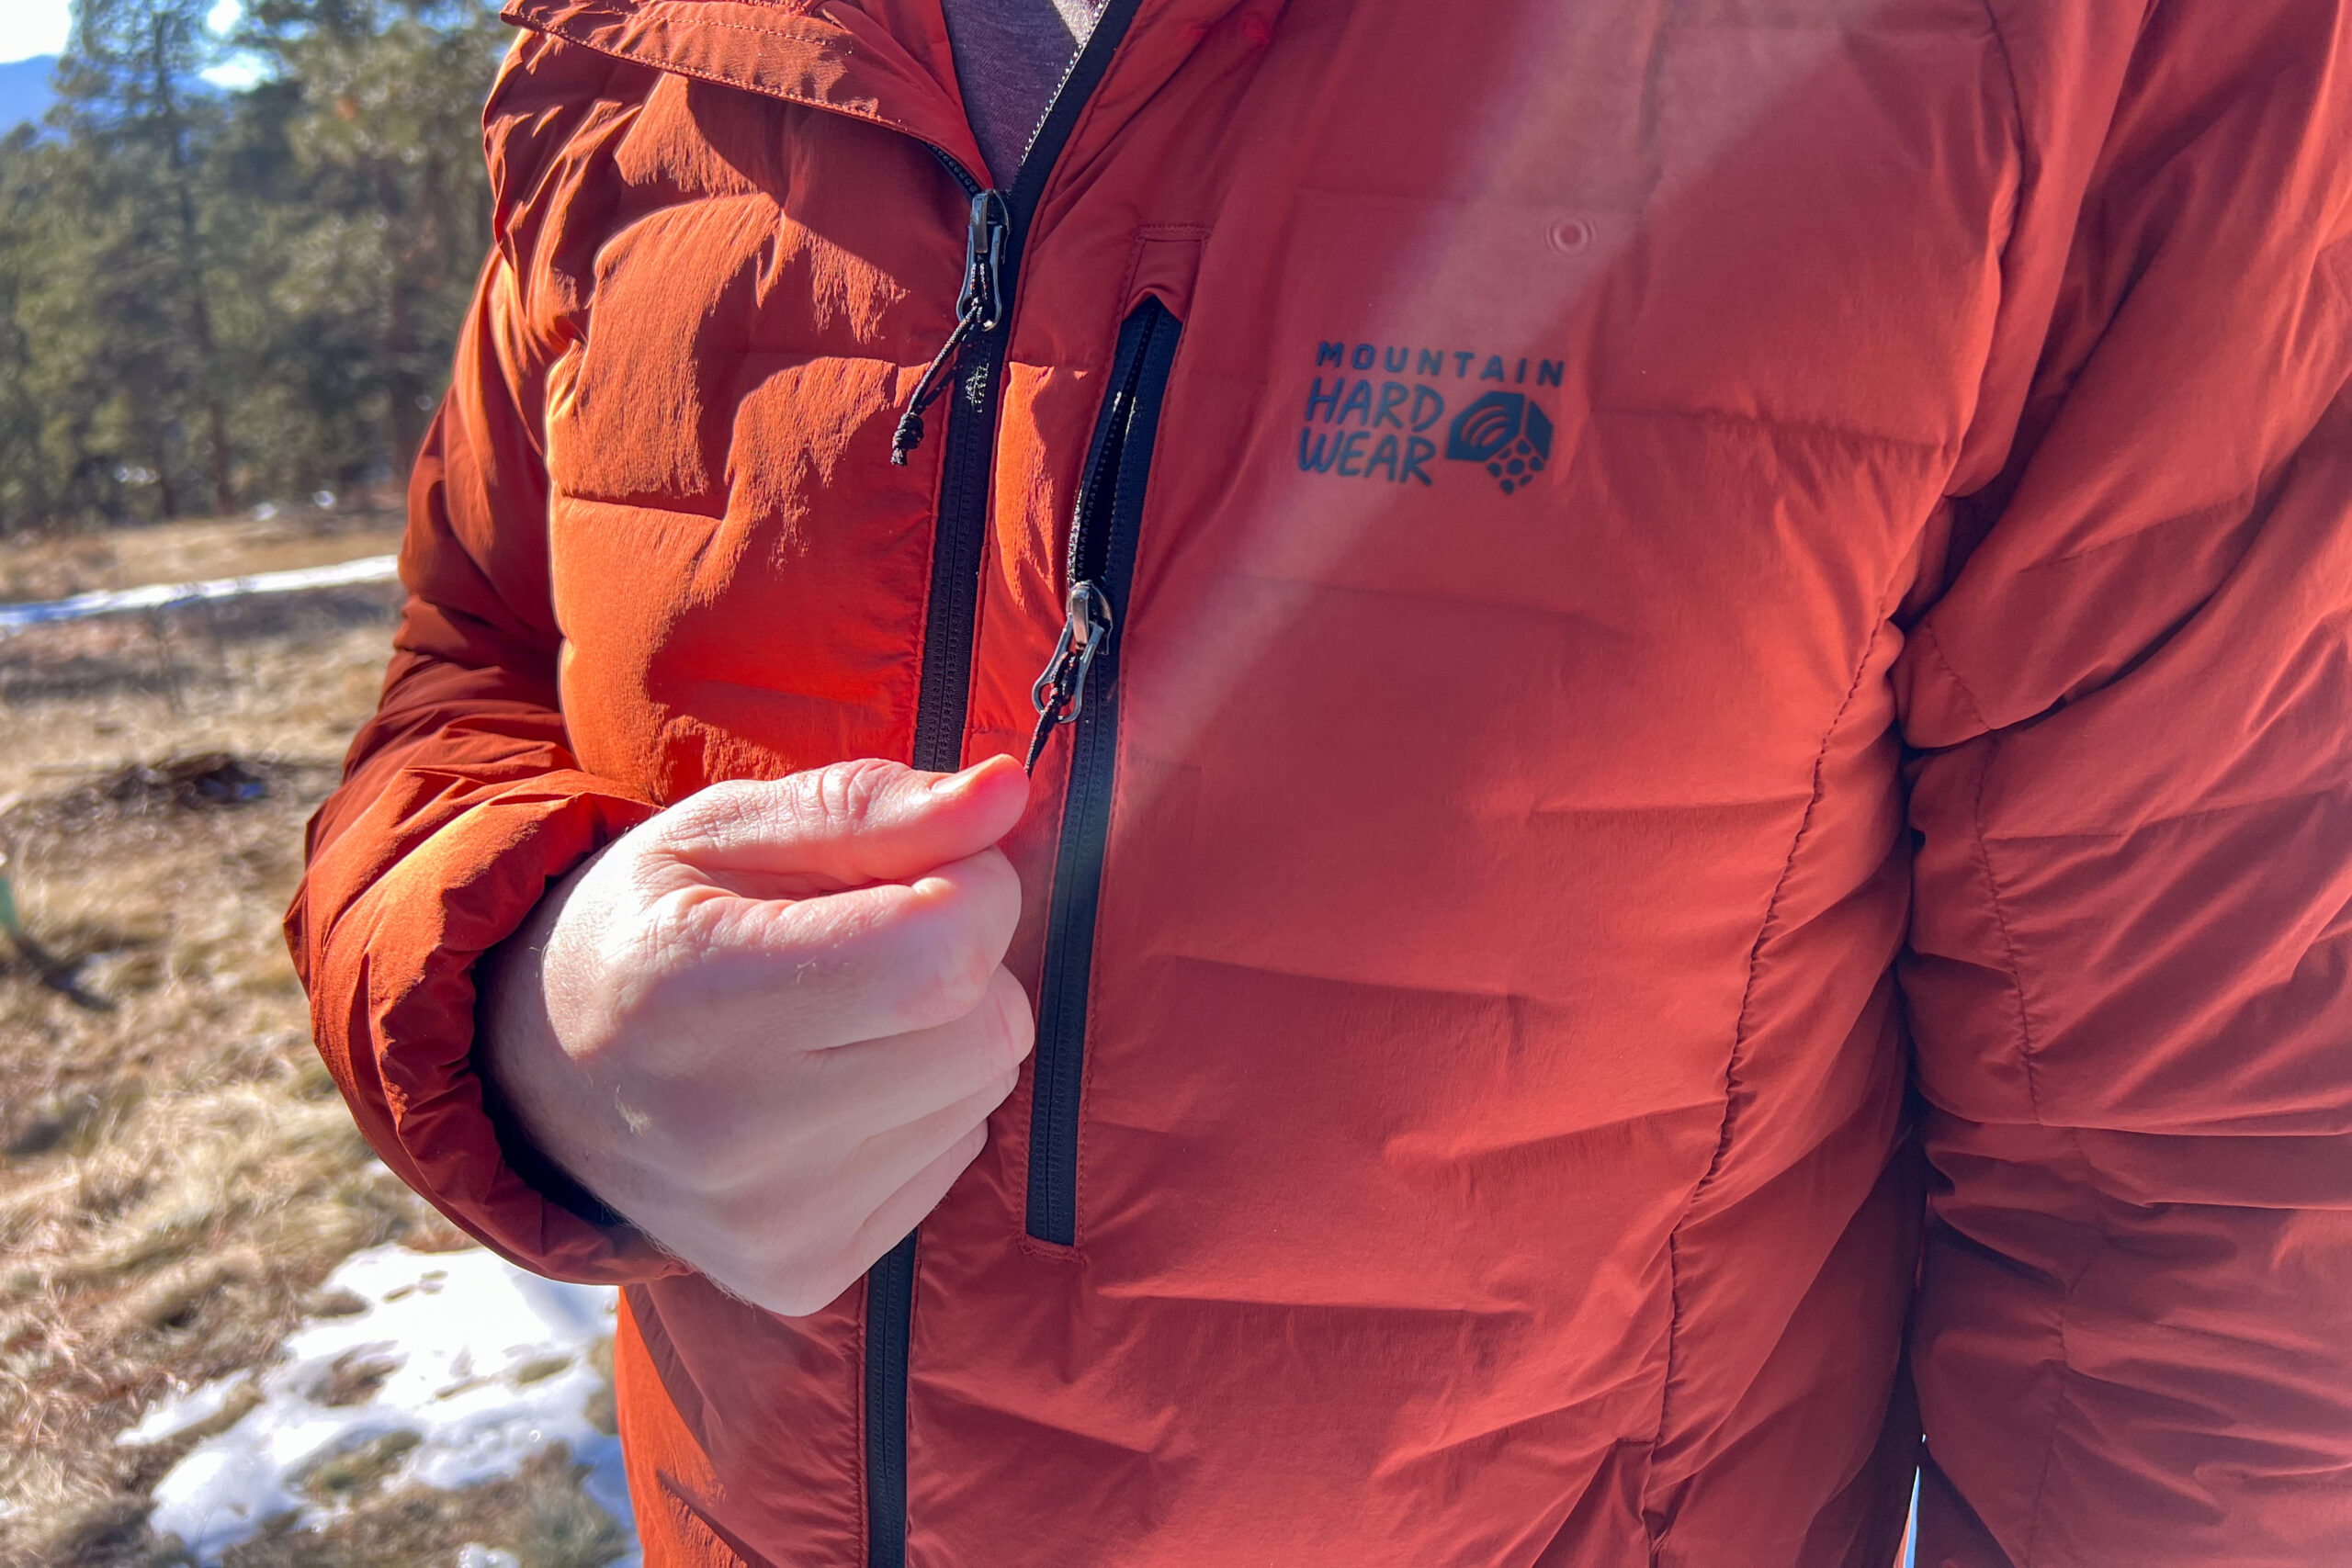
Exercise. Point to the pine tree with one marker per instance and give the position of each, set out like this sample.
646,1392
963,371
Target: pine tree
210,297
390,129
127,86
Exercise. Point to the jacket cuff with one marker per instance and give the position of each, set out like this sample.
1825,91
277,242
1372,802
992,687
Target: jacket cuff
393,997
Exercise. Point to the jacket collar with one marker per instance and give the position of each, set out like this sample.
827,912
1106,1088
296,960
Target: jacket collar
886,61
883,61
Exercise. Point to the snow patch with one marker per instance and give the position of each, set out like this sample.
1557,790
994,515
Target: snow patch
459,1366
164,596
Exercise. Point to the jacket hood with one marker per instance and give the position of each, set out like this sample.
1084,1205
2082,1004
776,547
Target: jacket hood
886,62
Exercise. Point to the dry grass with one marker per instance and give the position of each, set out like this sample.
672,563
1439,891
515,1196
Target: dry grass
176,1172
52,566
538,1514
287,676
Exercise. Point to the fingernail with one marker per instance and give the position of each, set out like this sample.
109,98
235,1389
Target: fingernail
949,783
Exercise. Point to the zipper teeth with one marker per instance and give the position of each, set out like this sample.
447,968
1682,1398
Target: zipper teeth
1089,491
955,167
947,656
942,699
1053,1189
1112,513
889,1305
1051,1217
1102,468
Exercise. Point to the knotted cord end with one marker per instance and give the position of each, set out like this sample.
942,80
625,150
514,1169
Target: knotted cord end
907,437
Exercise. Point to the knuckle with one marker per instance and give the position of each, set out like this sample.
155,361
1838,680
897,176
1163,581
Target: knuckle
842,796
650,950
946,973
996,894
645,969
959,981
986,1073
970,974
1010,1030
607,993
708,813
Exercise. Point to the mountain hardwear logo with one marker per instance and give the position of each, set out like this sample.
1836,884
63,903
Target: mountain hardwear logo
1511,435
1393,420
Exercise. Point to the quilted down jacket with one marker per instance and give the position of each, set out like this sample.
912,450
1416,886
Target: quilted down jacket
1711,827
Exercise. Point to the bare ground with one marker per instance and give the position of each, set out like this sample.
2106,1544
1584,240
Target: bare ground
178,1174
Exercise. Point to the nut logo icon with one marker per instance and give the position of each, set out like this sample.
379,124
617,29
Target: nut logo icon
1502,430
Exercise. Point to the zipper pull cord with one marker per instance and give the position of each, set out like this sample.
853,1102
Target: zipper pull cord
1059,694
979,308
927,386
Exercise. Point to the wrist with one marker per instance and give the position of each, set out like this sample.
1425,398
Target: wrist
533,1090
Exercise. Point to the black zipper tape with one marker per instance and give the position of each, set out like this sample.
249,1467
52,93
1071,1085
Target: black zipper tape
944,695
943,700
1102,556
889,1322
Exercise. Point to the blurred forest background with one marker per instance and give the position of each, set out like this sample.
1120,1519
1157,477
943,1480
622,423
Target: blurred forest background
236,244
211,297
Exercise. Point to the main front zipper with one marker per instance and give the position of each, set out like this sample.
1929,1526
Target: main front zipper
972,363
1080,689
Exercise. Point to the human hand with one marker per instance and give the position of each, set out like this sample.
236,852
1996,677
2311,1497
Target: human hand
769,1025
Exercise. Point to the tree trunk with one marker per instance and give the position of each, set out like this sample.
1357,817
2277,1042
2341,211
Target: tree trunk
191,260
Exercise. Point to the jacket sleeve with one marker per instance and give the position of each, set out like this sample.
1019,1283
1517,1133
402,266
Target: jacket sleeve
460,798
2129,976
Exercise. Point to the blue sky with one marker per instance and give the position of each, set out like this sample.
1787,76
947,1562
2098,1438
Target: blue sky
38,26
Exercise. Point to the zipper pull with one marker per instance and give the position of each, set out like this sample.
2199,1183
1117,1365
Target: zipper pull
978,307
1060,693
984,261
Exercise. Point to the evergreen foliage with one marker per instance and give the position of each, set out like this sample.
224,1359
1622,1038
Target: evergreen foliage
211,298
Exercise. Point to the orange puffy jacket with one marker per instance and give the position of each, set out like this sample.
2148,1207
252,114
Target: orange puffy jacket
1662,571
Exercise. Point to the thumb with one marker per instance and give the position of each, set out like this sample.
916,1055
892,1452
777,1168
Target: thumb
848,824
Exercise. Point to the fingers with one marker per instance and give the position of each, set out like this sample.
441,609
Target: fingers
886,1083
772,1118
794,993
844,826
908,1207
863,965
879,1195
782,1109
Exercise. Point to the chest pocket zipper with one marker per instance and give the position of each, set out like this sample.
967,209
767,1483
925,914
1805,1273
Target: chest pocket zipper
1079,691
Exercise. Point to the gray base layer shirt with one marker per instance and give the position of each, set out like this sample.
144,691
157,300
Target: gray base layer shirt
1009,56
